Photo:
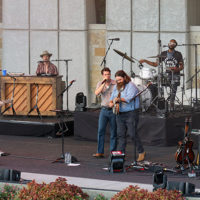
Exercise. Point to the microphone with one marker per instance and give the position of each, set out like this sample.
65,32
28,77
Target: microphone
71,82
41,61
165,45
103,81
62,60
116,39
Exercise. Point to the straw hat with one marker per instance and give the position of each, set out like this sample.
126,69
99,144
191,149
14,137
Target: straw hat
46,53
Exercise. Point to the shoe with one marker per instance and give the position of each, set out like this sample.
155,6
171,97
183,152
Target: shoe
141,156
98,155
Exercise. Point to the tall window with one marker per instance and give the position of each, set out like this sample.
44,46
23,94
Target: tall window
0,11
100,6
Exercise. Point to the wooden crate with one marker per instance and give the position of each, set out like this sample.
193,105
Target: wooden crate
25,94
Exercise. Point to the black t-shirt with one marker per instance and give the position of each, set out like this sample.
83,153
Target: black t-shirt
172,59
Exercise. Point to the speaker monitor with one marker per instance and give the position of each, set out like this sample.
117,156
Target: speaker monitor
10,175
184,187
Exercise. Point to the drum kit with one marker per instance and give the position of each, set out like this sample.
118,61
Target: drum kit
149,98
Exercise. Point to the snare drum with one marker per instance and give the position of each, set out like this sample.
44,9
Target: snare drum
167,79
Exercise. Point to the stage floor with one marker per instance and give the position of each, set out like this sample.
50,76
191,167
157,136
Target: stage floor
35,155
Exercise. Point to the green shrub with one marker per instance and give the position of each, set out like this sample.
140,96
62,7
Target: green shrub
100,197
58,190
8,192
134,192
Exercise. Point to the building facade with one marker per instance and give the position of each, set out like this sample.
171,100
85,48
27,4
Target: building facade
69,29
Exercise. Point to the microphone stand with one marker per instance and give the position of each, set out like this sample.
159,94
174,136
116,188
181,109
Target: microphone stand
191,79
196,72
13,92
66,63
36,103
104,58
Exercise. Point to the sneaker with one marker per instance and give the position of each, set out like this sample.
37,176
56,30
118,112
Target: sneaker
141,156
98,155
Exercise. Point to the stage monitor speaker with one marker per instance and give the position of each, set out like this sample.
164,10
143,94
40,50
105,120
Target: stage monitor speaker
185,187
10,175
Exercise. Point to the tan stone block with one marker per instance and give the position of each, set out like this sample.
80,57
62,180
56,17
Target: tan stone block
99,51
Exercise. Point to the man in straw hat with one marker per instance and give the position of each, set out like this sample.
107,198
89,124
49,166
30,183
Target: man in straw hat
45,66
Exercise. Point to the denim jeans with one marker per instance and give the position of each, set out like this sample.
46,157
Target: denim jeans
127,125
106,115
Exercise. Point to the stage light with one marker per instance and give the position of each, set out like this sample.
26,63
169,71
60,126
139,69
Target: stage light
159,180
117,162
81,102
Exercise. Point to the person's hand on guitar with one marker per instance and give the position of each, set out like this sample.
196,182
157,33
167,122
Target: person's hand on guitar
111,104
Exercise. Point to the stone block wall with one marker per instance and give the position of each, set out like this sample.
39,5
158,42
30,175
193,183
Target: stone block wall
96,38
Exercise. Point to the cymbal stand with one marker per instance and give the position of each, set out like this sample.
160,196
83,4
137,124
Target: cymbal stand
183,88
13,92
196,103
191,80
36,103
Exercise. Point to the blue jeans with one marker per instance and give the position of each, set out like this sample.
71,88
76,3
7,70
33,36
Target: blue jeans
127,125
106,115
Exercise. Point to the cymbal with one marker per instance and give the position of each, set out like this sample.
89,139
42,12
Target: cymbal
124,55
158,56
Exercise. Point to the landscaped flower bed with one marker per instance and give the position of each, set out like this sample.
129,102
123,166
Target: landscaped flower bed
61,190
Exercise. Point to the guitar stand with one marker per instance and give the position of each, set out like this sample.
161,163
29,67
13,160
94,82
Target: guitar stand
11,105
63,128
36,104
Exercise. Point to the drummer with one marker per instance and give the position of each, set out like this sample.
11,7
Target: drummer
174,64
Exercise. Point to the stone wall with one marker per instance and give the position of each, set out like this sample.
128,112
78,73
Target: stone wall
59,26
97,36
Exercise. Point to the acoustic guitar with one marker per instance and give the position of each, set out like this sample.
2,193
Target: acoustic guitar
116,104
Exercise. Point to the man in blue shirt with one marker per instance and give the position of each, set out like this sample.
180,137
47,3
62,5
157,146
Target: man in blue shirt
128,114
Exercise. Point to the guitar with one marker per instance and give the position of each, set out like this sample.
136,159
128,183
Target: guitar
116,104
184,152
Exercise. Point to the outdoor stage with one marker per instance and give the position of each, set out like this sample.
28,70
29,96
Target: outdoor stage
153,129
35,155
34,126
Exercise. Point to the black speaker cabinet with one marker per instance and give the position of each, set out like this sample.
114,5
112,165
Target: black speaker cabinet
10,175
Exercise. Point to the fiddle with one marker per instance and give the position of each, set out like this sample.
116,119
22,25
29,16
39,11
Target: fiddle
184,152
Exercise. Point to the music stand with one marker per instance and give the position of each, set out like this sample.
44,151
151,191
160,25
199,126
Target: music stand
13,92
61,123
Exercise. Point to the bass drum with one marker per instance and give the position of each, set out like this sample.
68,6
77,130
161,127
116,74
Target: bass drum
148,96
